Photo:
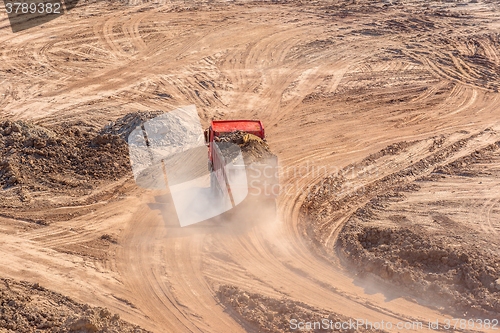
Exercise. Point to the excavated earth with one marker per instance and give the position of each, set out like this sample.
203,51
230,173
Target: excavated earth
443,248
385,120
252,148
67,164
271,315
27,307
46,166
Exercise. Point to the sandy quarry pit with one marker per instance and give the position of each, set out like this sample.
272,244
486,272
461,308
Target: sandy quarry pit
405,93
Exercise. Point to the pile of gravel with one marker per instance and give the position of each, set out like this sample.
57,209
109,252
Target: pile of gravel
123,126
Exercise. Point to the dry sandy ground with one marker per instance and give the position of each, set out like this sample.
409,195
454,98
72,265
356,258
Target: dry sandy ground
334,83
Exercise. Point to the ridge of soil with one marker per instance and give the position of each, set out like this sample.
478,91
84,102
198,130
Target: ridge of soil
30,308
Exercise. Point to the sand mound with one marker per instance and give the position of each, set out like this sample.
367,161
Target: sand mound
443,261
253,148
424,246
271,315
64,160
462,275
27,308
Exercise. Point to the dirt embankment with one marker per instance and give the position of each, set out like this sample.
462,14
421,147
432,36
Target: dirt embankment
28,308
462,279
420,246
271,315
443,266
64,164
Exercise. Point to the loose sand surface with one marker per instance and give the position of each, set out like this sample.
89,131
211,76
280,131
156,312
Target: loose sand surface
385,117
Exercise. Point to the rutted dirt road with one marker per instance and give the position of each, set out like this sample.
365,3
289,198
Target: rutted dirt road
334,84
